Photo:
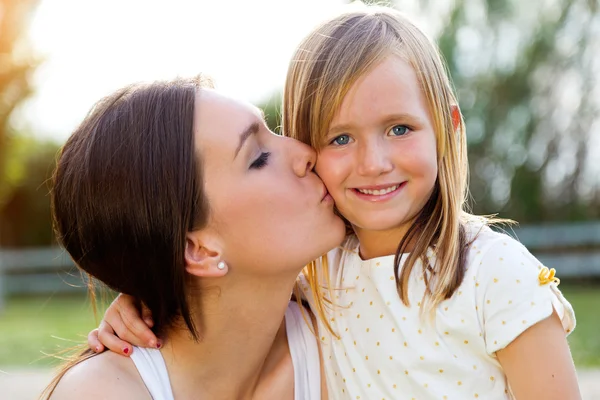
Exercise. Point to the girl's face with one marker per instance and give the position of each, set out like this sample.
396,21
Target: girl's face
378,159
269,210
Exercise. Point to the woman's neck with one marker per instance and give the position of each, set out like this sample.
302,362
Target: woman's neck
238,325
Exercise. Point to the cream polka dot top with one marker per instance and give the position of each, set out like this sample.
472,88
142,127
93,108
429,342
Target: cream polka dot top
387,351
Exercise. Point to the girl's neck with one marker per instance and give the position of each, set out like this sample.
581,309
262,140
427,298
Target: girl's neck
375,244
241,324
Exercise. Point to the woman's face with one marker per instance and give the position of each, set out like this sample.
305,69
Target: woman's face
268,208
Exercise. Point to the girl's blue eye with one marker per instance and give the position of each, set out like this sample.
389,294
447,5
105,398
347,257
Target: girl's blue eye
399,130
341,140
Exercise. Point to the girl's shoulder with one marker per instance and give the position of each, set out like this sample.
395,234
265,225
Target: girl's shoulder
494,256
327,267
512,289
341,254
338,258
484,243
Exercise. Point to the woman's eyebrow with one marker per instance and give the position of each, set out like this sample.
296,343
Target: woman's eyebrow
246,133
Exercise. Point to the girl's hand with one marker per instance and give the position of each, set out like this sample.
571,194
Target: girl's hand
122,327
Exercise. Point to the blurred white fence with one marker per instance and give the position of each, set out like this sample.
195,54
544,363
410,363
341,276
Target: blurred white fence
573,249
38,271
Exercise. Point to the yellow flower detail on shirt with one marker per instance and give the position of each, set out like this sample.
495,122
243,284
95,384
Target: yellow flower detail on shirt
546,276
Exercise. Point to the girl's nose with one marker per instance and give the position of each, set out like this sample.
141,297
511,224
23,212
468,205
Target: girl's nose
374,159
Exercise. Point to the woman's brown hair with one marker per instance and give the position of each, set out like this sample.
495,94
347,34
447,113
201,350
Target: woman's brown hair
126,190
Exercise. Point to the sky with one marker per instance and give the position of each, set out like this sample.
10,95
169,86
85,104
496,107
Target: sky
93,47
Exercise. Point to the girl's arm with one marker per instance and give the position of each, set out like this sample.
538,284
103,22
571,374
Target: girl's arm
124,325
538,363
525,320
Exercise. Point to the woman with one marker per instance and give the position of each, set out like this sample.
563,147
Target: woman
182,198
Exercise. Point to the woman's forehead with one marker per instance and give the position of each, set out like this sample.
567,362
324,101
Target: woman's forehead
220,121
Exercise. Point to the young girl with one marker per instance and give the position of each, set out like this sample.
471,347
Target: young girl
422,300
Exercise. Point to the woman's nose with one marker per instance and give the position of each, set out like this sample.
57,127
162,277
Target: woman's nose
305,157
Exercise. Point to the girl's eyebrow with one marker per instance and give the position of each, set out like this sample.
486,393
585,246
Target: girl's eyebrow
384,120
340,127
402,117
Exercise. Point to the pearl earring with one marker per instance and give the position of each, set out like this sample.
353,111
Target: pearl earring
221,265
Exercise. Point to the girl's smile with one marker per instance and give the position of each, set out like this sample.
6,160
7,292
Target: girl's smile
378,193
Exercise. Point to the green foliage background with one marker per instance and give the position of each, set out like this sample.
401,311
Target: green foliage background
527,76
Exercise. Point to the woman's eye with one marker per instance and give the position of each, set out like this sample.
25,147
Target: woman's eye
399,130
341,140
261,161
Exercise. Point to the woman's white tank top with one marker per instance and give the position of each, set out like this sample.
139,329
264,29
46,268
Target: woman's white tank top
303,349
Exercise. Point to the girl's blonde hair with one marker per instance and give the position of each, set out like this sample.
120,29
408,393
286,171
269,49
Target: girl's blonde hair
325,66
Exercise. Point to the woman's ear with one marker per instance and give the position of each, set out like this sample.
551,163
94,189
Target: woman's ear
456,117
203,256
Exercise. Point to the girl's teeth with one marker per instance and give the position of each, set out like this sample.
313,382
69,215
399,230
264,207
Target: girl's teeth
379,192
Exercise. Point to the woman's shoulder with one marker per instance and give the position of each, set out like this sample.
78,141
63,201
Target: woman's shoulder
300,311
305,352
104,376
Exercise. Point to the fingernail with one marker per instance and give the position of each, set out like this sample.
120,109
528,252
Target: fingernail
126,350
158,345
97,349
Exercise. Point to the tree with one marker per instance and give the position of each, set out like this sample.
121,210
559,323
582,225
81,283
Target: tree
25,214
526,80
272,110
17,63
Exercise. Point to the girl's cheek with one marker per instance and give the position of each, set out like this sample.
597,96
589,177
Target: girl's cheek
324,170
333,169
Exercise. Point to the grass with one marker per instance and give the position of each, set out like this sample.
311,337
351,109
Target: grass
32,326
585,340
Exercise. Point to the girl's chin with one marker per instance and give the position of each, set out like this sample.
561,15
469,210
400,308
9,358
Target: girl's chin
370,223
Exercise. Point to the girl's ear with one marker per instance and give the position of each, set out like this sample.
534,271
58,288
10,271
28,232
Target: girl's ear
456,117
203,256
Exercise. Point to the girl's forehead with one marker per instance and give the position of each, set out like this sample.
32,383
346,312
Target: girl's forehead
391,86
